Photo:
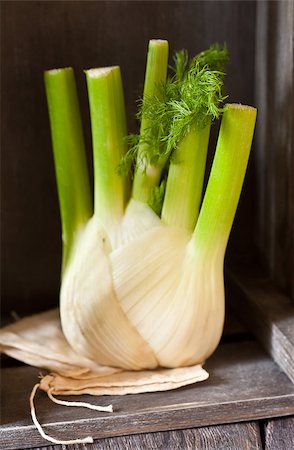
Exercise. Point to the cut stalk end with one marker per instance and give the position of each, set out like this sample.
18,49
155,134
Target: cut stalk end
100,71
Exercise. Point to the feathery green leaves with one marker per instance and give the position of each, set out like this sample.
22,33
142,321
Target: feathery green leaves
216,58
191,97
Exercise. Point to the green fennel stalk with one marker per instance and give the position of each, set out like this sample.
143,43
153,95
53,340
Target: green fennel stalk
148,175
185,180
108,134
74,194
226,179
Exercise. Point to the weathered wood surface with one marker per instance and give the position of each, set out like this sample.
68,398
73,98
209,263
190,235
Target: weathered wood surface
267,313
244,385
276,434
243,436
279,434
274,150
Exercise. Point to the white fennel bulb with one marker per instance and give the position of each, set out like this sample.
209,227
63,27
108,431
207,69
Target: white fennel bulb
142,289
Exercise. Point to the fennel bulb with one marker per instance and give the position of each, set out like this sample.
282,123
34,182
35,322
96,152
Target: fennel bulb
140,289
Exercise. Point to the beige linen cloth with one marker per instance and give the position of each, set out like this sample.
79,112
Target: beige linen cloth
38,341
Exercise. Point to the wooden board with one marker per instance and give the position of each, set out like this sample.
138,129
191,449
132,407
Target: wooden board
279,434
273,155
244,385
266,312
241,436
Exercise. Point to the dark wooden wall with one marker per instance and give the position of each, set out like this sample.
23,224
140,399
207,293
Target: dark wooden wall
40,35
274,156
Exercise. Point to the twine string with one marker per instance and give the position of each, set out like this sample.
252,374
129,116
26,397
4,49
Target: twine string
86,440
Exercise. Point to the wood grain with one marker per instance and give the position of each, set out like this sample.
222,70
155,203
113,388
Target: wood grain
274,152
244,385
243,436
266,312
279,434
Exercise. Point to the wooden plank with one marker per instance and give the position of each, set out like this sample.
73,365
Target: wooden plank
274,152
241,436
279,434
244,385
267,313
